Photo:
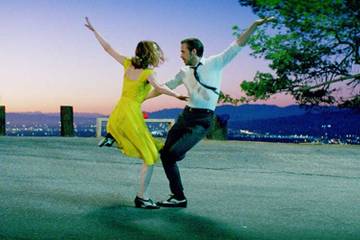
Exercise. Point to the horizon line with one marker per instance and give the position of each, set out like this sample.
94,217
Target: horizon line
75,112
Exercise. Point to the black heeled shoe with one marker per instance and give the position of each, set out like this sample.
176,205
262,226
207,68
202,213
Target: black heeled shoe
146,204
106,141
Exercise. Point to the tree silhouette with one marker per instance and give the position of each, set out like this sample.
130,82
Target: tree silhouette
314,51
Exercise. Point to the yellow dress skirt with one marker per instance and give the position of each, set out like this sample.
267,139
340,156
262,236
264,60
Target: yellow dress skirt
126,122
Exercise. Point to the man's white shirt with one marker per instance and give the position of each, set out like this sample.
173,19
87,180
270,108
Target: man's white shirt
210,73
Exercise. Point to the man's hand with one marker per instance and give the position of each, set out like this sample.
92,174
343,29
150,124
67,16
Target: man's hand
88,25
264,20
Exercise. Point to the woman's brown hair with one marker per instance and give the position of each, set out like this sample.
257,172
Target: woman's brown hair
147,53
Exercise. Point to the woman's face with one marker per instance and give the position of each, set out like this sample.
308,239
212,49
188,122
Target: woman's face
159,54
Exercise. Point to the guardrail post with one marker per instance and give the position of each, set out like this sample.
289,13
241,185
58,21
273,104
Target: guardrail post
2,121
67,121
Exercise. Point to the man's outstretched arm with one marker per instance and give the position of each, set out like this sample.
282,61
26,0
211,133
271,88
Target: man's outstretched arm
229,53
244,37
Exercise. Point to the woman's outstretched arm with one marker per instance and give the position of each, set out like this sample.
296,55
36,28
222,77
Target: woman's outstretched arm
107,47
152,94
162,89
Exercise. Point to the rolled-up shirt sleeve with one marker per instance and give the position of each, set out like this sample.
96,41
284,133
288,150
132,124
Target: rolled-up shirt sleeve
223,58
178,80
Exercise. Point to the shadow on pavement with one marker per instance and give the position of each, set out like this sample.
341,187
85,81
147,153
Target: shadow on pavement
133,223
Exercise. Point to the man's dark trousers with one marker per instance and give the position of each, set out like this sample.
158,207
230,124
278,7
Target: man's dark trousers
192,125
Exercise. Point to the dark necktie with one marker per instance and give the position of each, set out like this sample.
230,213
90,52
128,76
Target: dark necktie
196,75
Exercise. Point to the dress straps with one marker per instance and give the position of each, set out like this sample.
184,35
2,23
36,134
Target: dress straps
143,75
127,63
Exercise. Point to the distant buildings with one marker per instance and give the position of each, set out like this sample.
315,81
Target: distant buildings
246,135
87,128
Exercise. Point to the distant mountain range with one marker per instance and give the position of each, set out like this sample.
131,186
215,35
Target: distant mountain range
237,113
331,123
51,119
294,119
248,111
260,118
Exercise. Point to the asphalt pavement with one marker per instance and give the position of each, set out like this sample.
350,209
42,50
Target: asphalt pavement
68,188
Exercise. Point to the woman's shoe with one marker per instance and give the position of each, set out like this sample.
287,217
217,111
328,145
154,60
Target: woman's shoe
107,142
147,204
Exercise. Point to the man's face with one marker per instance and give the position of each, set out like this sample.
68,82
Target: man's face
188,57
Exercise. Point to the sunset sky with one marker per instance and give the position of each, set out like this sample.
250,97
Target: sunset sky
48,58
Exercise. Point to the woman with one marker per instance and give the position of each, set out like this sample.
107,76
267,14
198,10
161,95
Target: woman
126,123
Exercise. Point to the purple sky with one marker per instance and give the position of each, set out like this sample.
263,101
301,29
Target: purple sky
48,58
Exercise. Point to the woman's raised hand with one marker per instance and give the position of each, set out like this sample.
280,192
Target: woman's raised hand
88,25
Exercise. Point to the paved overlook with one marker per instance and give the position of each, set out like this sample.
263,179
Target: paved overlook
68,188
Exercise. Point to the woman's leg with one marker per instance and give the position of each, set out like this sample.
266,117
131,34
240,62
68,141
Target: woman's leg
145,179
142,199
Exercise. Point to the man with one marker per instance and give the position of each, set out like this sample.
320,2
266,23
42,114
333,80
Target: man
202,79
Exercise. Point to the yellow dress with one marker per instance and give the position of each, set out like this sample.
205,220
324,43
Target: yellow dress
126,122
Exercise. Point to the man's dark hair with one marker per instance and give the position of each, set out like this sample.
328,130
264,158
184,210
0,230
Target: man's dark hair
194,43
